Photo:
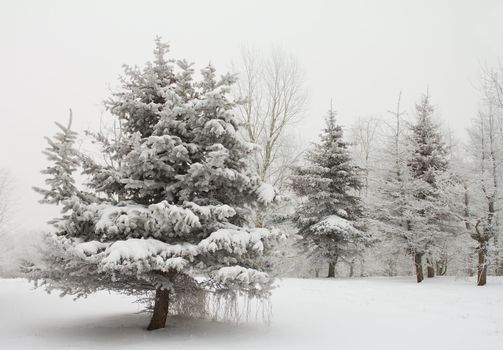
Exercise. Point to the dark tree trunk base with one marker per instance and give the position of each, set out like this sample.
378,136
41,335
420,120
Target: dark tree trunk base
430,270
418,263
441,267
331,270
482,266
161,307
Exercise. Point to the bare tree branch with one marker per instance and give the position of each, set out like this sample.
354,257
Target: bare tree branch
273,97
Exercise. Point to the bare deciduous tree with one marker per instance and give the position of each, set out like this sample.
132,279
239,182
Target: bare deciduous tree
273,99
492,90
364,139
485,140
5,206
4,199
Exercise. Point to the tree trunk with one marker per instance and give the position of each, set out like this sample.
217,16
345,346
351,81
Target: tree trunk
418,263
470,268
430,270
259,217
362,267
482,265
441,267
499,268
161,307
331,269
351,268
497,259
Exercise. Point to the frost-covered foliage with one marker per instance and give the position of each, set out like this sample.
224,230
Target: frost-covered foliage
429,154
65,160
413,208
327,216
428,165
172,200
482,189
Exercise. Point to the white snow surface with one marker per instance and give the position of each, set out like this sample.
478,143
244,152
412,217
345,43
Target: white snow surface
135,255
236,241
147,254
140,249
334,223
86,249
241,275
371,313
266,193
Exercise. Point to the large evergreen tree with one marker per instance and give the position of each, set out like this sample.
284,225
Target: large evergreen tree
329,208
412,208
169,203
427,162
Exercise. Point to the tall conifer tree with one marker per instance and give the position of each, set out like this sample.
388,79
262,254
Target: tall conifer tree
330,208
170,202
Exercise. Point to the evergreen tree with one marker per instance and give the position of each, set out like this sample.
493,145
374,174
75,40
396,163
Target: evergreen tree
427,162
171,201
65,161
411,206
429,154
329,209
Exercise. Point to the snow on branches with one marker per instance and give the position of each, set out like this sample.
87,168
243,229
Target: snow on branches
329,208
174,197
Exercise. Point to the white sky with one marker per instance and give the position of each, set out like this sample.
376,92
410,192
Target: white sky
60,54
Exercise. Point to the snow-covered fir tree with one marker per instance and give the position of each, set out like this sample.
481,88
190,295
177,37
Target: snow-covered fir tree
428,162
429,153
329,209
167,210
413,210
65,160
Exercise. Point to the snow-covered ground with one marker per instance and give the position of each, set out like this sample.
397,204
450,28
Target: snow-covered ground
372,313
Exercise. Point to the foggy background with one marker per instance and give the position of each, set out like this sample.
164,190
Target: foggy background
57,55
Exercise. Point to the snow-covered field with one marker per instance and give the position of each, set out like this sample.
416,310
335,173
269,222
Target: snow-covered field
372,313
